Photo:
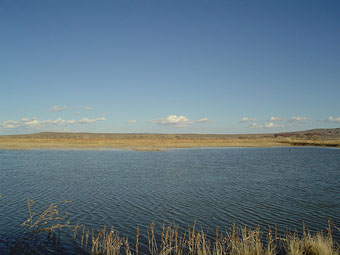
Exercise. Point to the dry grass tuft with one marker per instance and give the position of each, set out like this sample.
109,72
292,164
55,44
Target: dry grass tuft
238,241
318,244
234,241
48,220
248,242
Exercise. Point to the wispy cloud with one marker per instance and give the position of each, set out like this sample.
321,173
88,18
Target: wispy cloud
34,123
71,121
299,119
88,121
277,119
335,120
173,120
30,122
88,108
293,119
9,124
266,125
57,108
204,120
277,122
131,121
255,125
246,119
272,125
58,121
24,122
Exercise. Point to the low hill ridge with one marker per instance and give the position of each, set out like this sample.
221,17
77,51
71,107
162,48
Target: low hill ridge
145,141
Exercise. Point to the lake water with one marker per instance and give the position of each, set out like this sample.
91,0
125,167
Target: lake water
280,187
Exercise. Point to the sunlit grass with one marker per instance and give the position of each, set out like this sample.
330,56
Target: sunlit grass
171,241
318,244
150,142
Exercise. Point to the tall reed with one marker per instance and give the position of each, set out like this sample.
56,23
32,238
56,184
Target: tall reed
307,244
194,241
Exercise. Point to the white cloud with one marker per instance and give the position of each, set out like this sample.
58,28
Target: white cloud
266,125
57,121
279,122
131,121
173,120
88,108
9,124
88,121
246,119
77,113
71,121
277,119
30,122
57,108
293,119
204,120
332,119
26,123
299,119
271,125
255,125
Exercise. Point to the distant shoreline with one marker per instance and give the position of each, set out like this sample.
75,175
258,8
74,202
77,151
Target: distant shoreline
158,142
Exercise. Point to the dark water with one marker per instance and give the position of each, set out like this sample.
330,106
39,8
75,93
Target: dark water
280,187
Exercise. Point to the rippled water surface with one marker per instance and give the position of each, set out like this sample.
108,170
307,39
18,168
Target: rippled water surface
218,187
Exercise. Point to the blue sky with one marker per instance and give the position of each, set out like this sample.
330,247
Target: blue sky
169,66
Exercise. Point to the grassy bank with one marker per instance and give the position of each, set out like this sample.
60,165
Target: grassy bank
48,225
149,142
234,241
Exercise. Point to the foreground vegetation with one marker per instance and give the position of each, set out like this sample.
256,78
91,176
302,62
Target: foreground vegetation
234,241
327,137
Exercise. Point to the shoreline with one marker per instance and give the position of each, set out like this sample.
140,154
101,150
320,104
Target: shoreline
156,142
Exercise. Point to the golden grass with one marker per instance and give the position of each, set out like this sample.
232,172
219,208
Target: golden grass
234,241
318,244
153,142
172,242
48,220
